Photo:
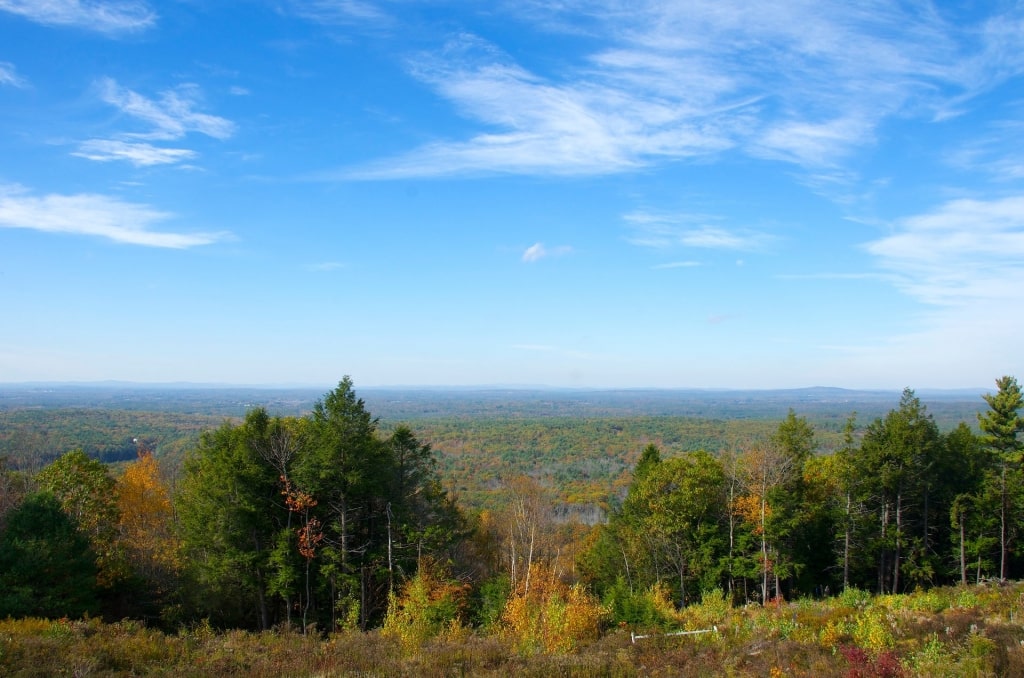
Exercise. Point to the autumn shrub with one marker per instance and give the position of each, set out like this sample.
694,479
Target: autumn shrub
545,615
863,664
427,606
872,630
651,608
712,610
932,600
967,598
854,597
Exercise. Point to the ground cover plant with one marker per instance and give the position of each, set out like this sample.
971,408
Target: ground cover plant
976,630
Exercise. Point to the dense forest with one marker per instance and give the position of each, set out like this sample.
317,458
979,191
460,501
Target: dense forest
332,520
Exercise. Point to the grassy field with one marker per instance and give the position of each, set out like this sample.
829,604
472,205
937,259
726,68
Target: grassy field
972,631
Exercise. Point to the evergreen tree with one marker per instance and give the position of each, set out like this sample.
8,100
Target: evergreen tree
47,568
232,514
1001,426
897,462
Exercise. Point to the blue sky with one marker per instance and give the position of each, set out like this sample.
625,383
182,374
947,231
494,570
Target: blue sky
583,194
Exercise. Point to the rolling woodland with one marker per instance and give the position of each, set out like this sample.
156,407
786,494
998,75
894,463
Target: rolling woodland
545,538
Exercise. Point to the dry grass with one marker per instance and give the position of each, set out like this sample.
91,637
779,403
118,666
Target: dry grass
975,631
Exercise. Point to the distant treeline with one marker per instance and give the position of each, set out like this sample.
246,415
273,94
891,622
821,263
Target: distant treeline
333,520
582,443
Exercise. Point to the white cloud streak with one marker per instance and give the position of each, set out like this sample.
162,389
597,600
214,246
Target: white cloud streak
963,252
677,264
663,231
172,116
138,154
538,251
169,118
341,12
964,261
326,266
796,81
102,17
94,215
9,75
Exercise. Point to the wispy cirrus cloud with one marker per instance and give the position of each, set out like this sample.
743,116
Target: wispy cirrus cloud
538,125
9,75
963,252
997,152
325,266
94,215
663,231
341,12
677,264
138,154
802,83
98,16
170,117
538,251
964,261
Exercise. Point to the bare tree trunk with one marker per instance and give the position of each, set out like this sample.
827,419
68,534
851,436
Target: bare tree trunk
764,554
846,543
391,567
1002,525
882,563
529,556
682,579
625,560
732,528
899,543
963,551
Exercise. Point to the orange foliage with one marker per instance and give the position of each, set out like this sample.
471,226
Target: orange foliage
748,507
145,521
551,616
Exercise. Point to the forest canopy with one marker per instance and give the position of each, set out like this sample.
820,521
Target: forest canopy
330,520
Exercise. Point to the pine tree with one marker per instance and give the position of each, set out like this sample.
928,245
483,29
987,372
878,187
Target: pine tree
1001,426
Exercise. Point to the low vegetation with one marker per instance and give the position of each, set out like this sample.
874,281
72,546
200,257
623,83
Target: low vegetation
328,545
952,631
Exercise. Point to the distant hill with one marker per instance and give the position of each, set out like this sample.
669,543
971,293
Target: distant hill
583,442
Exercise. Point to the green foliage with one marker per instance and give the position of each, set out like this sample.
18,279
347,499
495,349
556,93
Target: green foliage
1002,424
35,436
230,510
427,607
550,616
312,520
13,488
668,531
807,638
47,568
854,597
489,601
651,608
902,463
86,493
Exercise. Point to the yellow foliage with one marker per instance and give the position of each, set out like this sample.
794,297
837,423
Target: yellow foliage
748,507
550,616
428,606
145,520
